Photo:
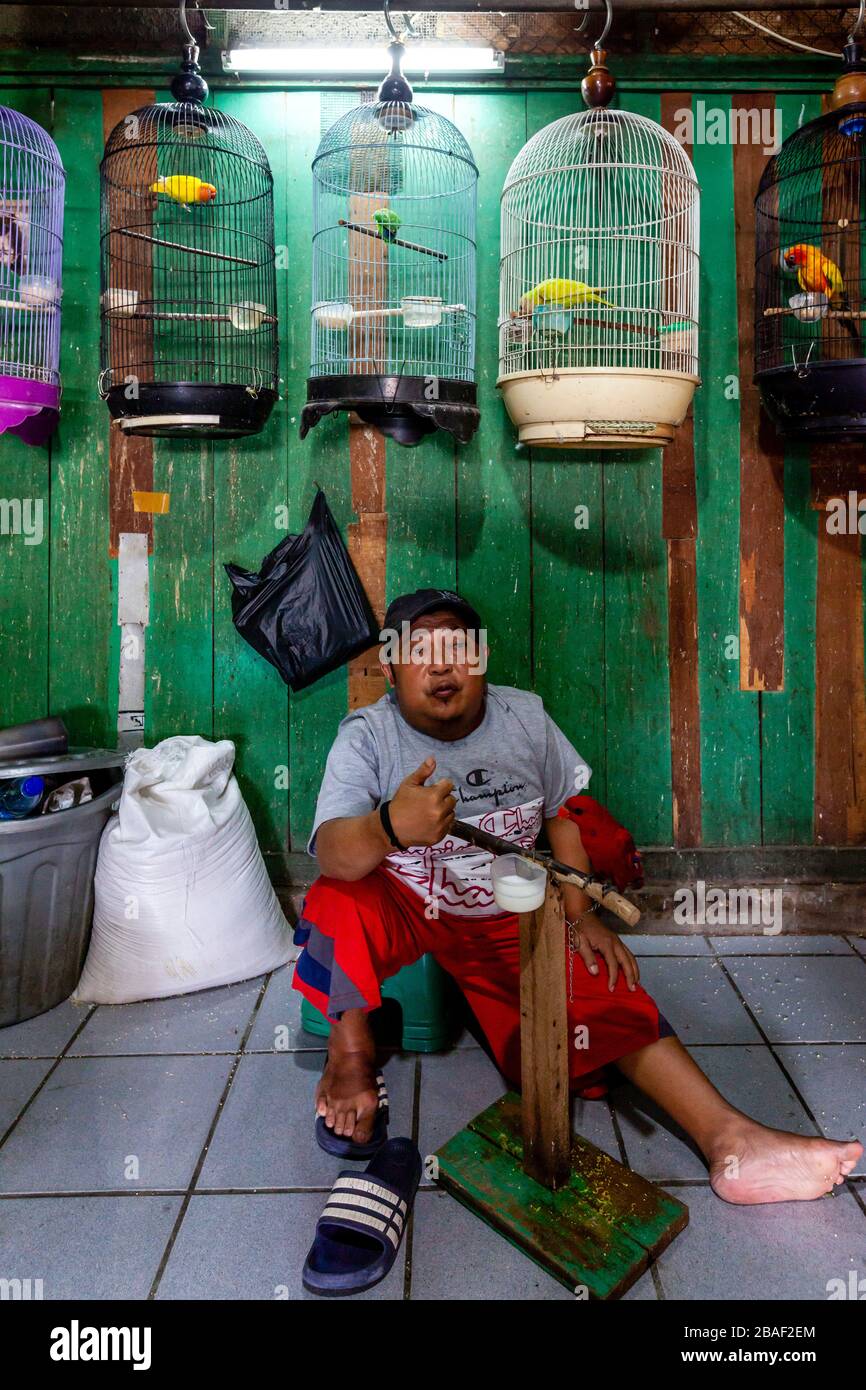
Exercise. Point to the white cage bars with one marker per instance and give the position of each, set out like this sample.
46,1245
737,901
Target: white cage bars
32,183
598,322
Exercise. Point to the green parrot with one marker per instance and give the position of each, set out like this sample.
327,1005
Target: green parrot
388,223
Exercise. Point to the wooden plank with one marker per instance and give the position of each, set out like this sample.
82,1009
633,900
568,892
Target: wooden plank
544,1043
250,485
762,500
637,682
367,544
649,1215
788,715
595,1235
83,621
24,559
840,681
493,540
685,714
130,458
679,527
315,712
180,658
568,563
421,490
730,748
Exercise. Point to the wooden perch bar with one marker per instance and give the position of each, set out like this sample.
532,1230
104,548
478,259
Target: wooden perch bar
394,240
179,246
830,314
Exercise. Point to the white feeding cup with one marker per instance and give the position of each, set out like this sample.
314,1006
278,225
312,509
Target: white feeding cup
518,886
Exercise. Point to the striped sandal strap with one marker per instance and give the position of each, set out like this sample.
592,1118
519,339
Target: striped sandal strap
366,1205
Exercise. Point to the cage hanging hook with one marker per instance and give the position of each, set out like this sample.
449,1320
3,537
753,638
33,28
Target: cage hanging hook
861,14
185,22
607,23
408,26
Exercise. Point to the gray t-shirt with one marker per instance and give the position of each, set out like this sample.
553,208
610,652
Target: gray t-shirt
515,770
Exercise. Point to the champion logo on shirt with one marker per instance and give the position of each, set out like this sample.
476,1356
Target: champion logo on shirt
480,778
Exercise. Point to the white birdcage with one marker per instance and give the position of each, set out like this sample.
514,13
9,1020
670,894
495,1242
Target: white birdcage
598,321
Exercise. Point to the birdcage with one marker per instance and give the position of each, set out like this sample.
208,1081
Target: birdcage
189,322
31,252
598,321
810,271
393,314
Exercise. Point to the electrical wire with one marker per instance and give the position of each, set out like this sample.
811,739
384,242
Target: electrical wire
807,48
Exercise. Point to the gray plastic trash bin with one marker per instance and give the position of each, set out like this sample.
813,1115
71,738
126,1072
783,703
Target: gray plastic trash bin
47,865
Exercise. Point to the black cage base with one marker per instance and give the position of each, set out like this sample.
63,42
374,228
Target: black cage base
183,408
825,401
399,406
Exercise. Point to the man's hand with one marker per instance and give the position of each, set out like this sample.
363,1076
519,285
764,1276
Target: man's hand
592,937
422,815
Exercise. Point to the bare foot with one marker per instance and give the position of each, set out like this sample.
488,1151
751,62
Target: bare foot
751,1164
347,1096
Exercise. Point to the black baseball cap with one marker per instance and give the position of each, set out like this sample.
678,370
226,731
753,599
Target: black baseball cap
407,608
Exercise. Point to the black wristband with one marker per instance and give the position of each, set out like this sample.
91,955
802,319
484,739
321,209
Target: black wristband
385,818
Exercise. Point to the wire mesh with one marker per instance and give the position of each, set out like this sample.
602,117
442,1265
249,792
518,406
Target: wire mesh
394,208
810,266
32,182
599,262
187,236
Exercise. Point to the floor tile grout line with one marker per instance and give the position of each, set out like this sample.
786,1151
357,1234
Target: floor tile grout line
184,1206
307,1052
779,1063
409,1237
56,1060
432,1189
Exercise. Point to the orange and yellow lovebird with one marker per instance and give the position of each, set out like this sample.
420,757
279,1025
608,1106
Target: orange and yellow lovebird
184,188
816,273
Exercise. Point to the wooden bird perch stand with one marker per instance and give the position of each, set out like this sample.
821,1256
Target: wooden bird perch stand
588,1220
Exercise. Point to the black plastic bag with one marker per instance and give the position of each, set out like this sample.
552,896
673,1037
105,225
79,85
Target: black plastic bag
305,611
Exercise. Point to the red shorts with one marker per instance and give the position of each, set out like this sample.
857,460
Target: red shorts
355,935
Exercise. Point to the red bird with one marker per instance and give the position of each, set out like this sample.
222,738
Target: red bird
611,849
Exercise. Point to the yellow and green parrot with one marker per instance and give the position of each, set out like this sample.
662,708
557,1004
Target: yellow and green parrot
388,222
816,273
562,294
184,189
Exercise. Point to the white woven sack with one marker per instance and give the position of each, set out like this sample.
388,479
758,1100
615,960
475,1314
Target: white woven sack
182,898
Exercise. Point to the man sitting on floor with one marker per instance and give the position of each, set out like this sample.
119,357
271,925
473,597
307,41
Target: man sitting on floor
395,884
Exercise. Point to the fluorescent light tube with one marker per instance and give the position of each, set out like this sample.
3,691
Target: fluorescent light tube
363,61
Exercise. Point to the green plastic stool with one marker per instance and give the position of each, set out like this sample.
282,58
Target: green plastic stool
423,992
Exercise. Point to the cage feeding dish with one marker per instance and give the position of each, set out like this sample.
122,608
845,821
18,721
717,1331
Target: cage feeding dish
810,267
32,185
598,322
393,312
188,302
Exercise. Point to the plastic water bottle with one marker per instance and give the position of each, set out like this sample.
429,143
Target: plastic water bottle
20,797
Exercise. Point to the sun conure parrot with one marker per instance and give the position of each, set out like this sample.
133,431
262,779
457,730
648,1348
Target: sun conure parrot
817,274
184,189
388,223
562,294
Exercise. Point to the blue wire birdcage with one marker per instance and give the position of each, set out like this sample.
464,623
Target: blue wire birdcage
32,186
393,314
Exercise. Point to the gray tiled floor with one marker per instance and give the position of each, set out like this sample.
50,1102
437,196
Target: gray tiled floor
180,1133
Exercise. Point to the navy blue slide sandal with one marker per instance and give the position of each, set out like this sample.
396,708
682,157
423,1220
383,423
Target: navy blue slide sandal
339,1147
358,1234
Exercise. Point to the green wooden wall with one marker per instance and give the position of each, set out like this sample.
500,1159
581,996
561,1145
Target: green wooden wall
582,616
